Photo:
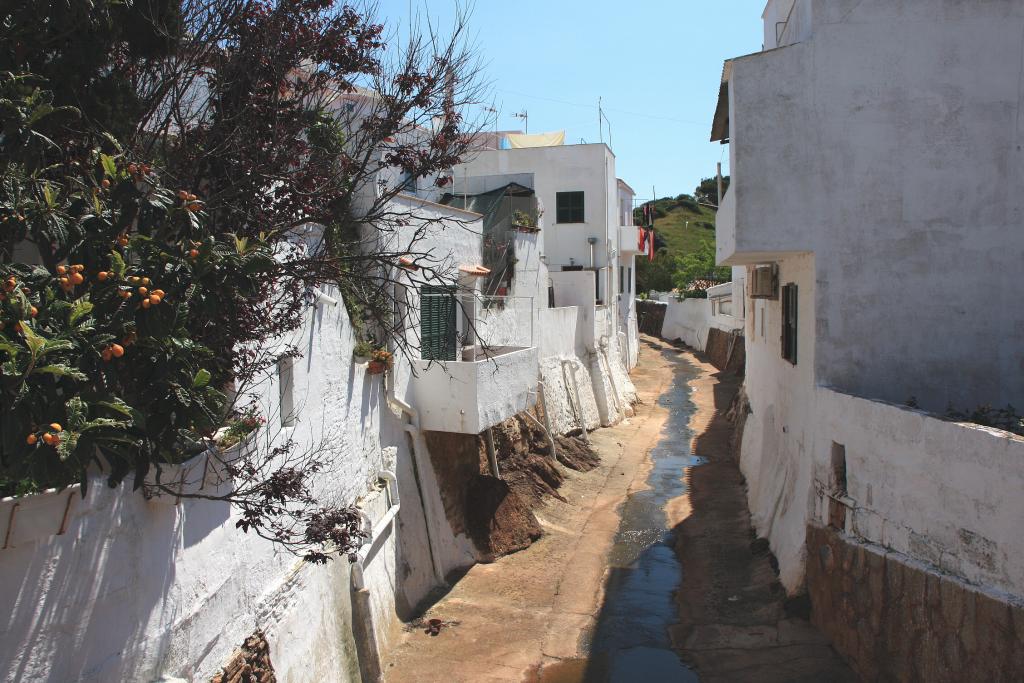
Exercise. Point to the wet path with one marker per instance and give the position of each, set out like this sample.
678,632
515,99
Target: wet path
631,638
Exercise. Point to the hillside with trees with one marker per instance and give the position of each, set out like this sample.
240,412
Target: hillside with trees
686,227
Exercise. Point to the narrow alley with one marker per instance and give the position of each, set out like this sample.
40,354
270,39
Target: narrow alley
649,571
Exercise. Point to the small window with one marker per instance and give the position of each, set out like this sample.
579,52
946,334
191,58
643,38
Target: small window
629,279
569,207
622,280
789,320
286,390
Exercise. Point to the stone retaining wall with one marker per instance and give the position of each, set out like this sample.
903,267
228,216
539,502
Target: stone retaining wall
895,619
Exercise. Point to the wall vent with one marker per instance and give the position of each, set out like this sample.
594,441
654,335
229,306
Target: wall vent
765,282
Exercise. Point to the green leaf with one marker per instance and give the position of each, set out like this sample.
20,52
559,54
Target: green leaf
201,379
104,422
117,264
109,167
117,405
81,308
51,345
77,411
32,340
66,445
61,370
48,195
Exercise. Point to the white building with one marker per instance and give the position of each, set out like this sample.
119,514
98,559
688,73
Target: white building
586,246
874,148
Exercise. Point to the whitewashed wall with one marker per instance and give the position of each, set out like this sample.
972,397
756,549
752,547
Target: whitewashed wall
691,319
135,590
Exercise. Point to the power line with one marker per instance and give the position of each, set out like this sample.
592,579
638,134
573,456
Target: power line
612,109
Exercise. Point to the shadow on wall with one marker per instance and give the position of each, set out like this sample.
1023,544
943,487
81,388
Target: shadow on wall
92,604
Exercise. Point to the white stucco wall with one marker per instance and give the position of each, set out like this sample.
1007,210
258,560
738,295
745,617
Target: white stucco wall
562,377
886,142
567,168
690,319
135,590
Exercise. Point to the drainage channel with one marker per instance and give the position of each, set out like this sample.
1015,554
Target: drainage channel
630,641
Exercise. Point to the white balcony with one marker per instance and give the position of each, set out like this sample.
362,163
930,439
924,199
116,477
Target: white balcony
628,241
468,396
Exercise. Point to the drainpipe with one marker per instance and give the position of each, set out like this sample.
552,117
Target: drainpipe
492,458
419,453
579,402
547,418
362,612
603,348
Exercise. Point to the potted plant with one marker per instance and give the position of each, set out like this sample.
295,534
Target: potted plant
523,222
362,351
380,362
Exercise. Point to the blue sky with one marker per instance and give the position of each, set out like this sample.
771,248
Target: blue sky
656,64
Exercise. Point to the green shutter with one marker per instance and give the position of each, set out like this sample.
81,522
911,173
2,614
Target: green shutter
437,323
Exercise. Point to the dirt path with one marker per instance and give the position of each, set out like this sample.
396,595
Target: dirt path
532,608
735,623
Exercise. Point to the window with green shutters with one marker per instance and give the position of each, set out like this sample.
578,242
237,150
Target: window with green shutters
789,322
569,207
437,323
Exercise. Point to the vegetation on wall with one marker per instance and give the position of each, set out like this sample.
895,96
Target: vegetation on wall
158,168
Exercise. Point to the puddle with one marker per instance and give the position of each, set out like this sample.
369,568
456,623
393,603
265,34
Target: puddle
630,641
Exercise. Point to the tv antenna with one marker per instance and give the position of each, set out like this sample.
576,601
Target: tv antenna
525,116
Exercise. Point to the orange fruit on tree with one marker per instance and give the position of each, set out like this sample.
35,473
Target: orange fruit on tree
102,276
193,253
117,350
34,311
154,299
145,303
143,291
106,354
105,183
31,439
61,270
77,279
55,426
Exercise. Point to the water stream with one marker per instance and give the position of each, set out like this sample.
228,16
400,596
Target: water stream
630,640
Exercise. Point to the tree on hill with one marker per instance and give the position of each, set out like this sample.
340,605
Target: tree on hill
695,269
707,191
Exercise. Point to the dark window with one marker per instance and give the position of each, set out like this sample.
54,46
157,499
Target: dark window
569,207
437,323
629,280
789,319
622,280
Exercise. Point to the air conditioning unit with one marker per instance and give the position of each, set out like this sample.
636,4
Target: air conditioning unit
765,282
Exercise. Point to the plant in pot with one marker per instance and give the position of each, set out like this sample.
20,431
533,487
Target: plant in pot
363,351
523,221
380,362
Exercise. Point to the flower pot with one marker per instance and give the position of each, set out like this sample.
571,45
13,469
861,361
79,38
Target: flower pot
190,476
29,518
376,367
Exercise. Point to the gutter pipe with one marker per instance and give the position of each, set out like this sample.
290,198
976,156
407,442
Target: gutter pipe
367,648
579,402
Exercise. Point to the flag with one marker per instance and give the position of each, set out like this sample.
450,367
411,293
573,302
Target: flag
641,240
650,245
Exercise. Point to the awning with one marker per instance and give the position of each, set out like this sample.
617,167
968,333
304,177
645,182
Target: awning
521,141
720,124
474,270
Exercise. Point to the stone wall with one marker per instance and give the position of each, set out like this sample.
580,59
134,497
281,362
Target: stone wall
895,619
